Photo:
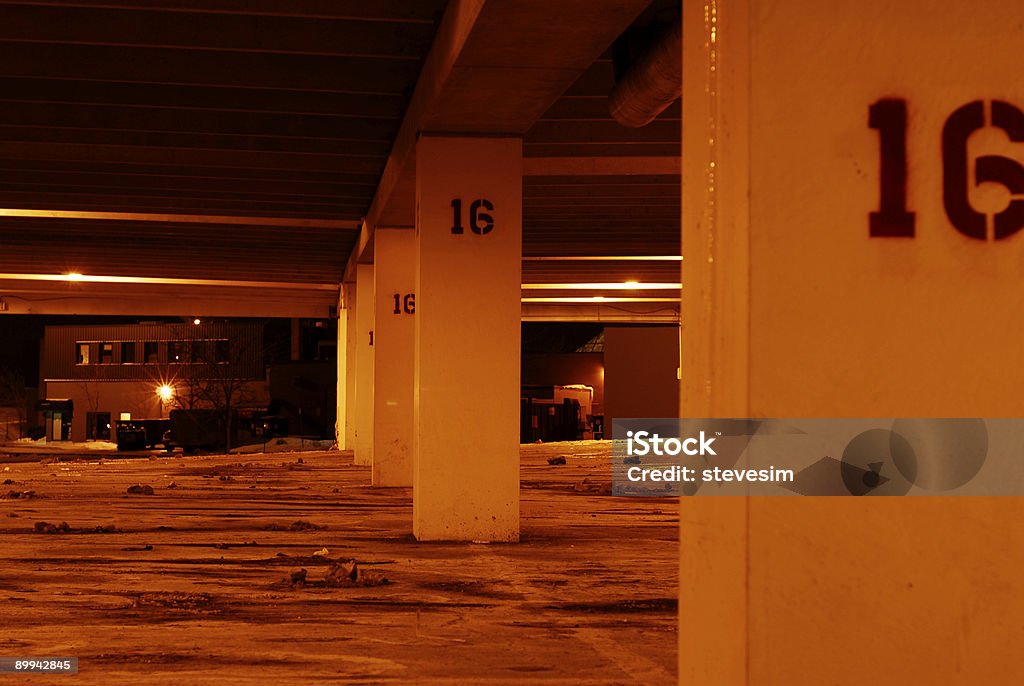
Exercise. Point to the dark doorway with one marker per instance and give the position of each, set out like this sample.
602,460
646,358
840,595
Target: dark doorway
97,426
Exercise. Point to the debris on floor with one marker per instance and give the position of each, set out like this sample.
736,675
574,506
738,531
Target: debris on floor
47,528
323,552
342,574
297,579
64,528
24,495
588,486
300,525
200,603
559,459
141,489
137,549
348,573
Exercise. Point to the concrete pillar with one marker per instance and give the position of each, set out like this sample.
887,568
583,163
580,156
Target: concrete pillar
364,364
343,401
469,251
346,418
808,294
641,372
350,366
394,307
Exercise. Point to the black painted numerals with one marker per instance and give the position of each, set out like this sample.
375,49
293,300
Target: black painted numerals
892,218
480,223
404,303
889,117
987,168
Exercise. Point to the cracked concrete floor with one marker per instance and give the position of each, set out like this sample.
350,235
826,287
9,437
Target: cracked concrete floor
188,589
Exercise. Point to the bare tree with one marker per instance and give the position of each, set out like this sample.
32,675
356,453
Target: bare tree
208,375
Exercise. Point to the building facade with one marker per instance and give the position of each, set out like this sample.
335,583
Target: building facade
95,376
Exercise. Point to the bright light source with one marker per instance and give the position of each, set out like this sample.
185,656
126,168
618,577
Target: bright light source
603,286
598,298
197,321
166,393
74,276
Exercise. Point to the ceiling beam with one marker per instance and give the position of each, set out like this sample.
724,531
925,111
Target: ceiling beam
222,33
183,218
420,11
151,300
615,313
600,166
520,56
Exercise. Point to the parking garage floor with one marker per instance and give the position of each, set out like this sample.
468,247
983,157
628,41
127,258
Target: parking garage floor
193,584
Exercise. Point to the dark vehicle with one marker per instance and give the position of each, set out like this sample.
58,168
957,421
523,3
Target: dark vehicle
269,427
140,434
549,420
196,430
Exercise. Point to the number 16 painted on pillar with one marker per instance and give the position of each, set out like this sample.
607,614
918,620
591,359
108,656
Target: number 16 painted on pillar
480,223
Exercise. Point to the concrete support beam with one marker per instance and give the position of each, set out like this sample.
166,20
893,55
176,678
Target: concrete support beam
523,54
364,349
350,366
469,247
394,313
28,296
620,313
799,302
346,427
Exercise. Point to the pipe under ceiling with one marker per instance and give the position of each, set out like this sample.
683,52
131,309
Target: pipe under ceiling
651,83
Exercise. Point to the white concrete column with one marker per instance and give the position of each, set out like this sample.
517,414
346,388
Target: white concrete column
469,249
347,352
344,419
363,370
394,307
841,260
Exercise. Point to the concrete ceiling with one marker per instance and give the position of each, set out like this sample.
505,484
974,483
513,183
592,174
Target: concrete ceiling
278,126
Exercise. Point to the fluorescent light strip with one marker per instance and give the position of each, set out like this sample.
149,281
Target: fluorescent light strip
604,258
185,218
75,277
599,299
609,286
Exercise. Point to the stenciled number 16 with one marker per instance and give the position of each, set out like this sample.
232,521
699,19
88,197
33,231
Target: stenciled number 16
889,117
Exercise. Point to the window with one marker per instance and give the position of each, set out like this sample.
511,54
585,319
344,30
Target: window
106,353
222,353
128,353
83,353
150,352
176,352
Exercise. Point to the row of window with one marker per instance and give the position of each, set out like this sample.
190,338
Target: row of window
148,352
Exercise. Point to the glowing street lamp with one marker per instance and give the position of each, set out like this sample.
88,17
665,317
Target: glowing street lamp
166,392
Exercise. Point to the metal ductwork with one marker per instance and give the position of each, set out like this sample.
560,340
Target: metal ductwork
651,83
